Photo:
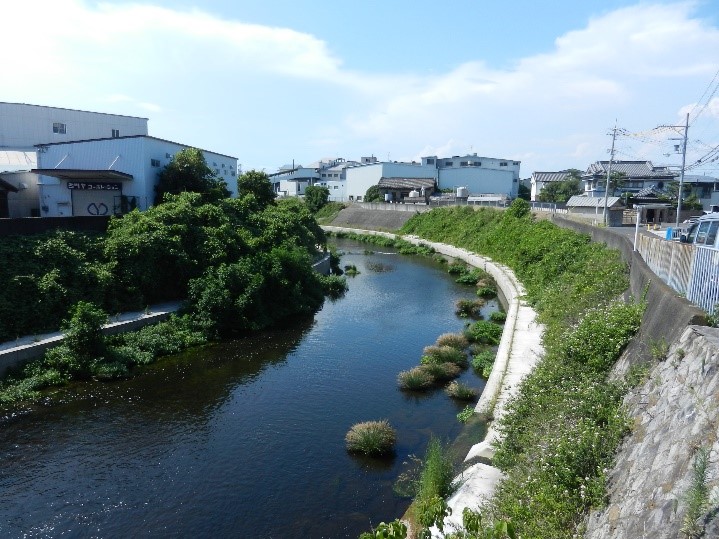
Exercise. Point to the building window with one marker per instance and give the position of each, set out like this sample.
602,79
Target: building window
324,175
59,128
502,163
359,198
448,163
336,175
477,164
464,163
167,155
155,162
335,187
115,133
430,161
223,165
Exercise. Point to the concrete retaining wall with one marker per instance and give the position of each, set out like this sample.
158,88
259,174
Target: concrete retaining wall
15,353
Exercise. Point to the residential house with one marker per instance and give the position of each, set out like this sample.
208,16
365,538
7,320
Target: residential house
637,175
540,180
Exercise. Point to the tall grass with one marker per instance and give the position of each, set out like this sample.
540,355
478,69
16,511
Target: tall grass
372,438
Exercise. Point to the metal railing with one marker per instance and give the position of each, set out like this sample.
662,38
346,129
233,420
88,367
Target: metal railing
703,289
670,261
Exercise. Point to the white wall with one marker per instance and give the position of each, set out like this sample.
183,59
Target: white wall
23,126
359,179
141,157
479,180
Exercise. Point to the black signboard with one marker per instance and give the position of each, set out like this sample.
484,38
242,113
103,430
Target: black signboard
95,186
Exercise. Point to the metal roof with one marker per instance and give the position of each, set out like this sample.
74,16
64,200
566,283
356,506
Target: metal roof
579,201
546,177
5,186
406,183
82,174
632,169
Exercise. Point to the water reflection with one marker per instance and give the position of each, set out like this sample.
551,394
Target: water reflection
244,438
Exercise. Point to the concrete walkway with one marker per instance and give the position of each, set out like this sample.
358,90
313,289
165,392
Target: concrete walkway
519,350
24,348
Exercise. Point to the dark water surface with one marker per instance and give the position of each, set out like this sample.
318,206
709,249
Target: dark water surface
244,438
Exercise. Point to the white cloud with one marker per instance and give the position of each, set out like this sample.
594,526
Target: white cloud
192,69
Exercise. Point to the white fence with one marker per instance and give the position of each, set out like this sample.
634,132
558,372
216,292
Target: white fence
692,271
703,288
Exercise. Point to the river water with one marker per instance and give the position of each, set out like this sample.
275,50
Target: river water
244,438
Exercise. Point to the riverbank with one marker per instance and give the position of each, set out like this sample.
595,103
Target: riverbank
519,350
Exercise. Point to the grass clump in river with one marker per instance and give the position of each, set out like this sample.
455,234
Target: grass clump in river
371,438
484,332
442,372
483,363
469,308
460,391
443,354
453,340
415,379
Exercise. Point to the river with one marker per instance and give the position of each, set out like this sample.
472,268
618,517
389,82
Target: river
244,438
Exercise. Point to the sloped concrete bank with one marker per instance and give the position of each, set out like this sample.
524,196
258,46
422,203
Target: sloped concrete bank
519,350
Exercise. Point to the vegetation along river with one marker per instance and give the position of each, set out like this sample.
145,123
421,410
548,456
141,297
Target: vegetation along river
244,438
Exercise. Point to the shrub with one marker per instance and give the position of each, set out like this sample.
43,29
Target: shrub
437,472
441,372
373,438
486,292
483,363
459,391
453,340
457,267
469,308
351,270
415,379
471,277
498,317
443,354
465,414
484,332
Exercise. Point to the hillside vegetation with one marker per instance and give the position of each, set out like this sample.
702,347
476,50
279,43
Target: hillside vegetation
562,430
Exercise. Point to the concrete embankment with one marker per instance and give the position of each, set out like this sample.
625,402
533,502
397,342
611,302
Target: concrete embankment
519,350
16,352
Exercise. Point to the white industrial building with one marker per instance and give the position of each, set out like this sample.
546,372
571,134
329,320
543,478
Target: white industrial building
112,175
24,126
349,180
64,162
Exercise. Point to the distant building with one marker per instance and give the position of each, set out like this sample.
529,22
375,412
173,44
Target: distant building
540,180
65,162
349,180
111,176
637,175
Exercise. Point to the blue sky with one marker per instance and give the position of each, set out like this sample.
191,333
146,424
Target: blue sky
276,80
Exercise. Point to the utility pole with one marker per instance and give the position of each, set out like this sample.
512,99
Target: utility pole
605,215
681,175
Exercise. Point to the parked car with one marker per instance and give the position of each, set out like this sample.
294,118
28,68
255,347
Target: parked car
703,231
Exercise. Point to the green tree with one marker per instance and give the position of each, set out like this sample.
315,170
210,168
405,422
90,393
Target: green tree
373,194
257,185
524,192
316,197
188,171
563,190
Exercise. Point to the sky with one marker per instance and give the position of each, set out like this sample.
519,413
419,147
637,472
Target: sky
275,82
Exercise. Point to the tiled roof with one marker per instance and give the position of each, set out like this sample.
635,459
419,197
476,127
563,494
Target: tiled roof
632,169
649,192
578,201
546,177
405,183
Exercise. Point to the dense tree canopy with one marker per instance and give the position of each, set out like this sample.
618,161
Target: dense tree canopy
257,185
253,263
316,197
563,190
373,194
188,171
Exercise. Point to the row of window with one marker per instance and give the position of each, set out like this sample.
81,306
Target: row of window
330,175
60,128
